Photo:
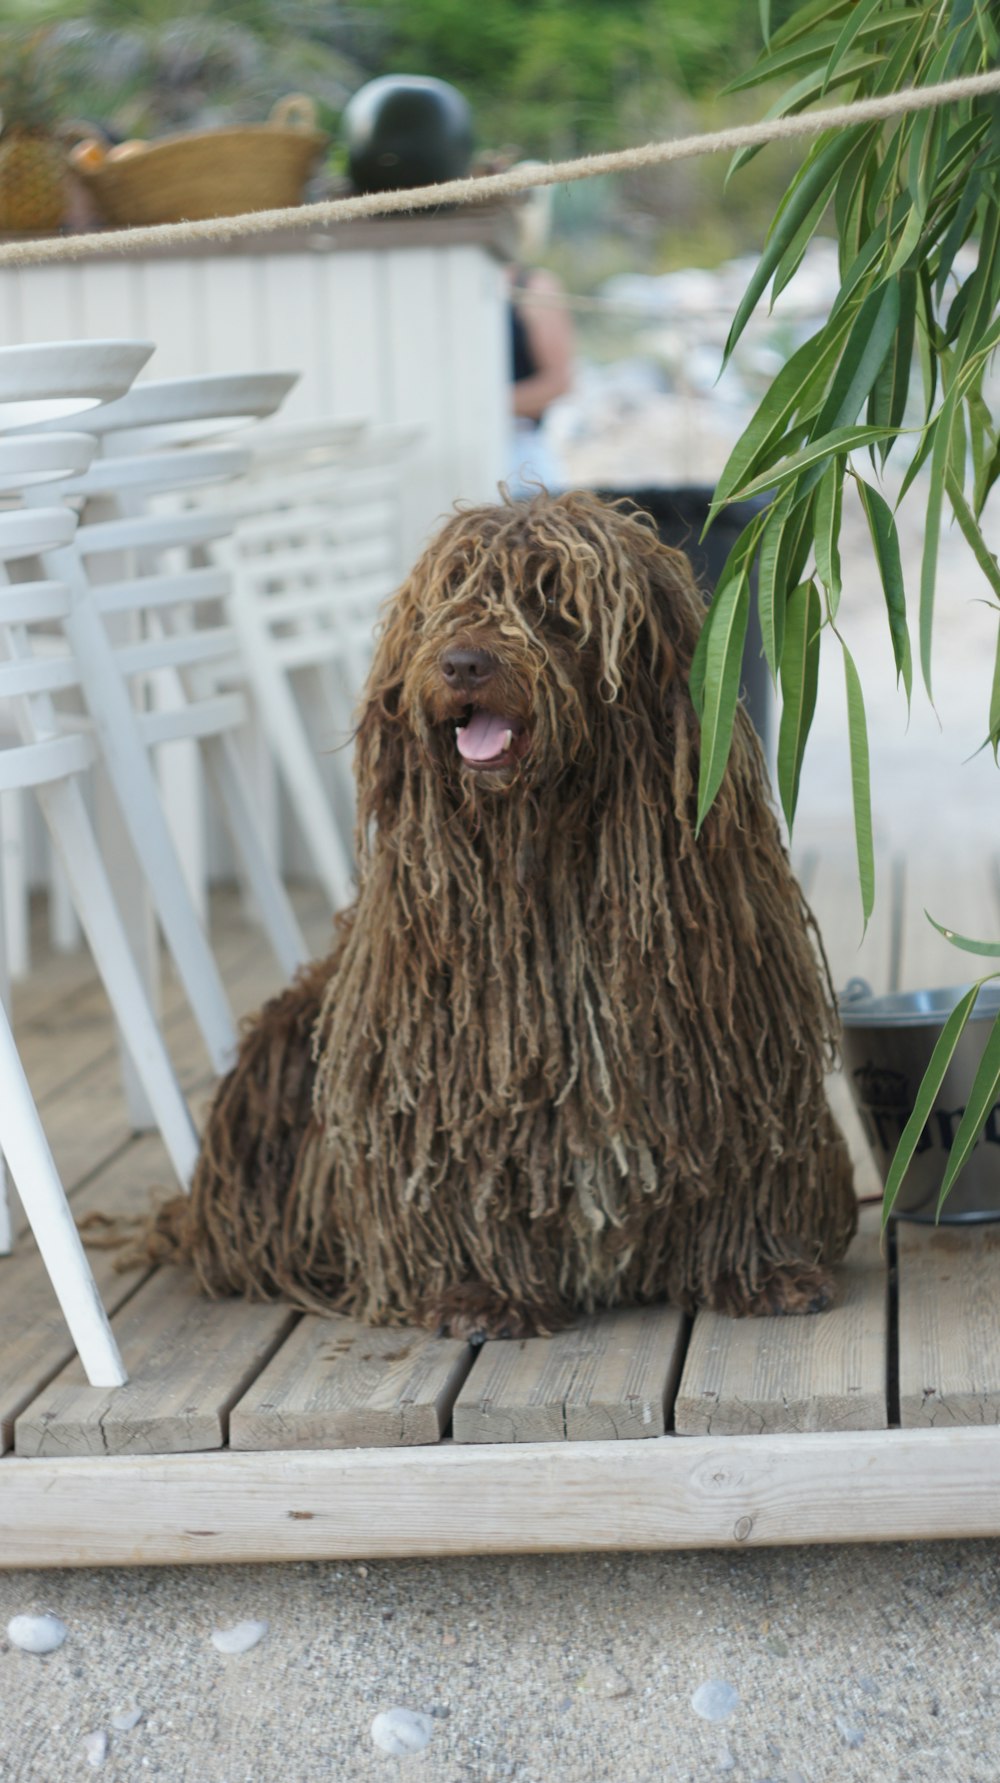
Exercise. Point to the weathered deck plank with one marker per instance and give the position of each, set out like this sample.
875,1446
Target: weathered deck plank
336,1384
745,1376
34,1339
610,1376
188,1359
949,1325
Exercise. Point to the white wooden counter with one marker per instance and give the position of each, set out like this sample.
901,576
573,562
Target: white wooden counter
400,319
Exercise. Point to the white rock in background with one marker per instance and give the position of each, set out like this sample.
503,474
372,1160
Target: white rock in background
240,1638
36,1634
95,1748
400,1732
126,1719
715,1701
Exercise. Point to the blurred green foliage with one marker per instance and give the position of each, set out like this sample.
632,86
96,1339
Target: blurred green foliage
559,76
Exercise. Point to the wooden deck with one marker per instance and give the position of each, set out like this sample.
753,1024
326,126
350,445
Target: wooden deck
251,1433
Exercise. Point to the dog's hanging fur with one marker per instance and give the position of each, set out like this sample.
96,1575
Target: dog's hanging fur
563,1055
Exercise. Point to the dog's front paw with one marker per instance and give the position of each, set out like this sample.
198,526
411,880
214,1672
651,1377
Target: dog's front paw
477,1313
789,1289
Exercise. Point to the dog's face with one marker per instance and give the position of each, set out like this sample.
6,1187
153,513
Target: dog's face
524,636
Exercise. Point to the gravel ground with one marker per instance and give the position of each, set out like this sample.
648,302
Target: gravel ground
873,1663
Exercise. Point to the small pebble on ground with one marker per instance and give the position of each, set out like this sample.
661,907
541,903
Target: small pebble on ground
36,1634
715,1701
240,1638
95,1747
126,1719
400,1732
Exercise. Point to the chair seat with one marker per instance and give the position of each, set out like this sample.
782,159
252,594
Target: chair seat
152,472
42,383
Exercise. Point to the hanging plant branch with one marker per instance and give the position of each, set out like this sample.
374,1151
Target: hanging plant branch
902,356
903,334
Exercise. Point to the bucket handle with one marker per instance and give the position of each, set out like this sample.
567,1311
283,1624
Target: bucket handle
856,989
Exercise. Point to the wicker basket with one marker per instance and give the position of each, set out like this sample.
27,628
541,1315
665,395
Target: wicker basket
210,173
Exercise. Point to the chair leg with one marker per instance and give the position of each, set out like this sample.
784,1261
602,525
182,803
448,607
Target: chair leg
14,882
64,929
66,815
6,1220
303,782
131,773
266,885
26,1149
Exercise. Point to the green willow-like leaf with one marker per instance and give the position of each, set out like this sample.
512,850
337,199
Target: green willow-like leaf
887,402
789,54
989,950
815,180
940,461
799,680
926,1095
871,336
971,533
829,506
856,20
861,794
816,453
799,97
995,702
723,660
885,539
982,1096
799,384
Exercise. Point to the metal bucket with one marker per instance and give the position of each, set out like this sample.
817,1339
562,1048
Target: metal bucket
887,1046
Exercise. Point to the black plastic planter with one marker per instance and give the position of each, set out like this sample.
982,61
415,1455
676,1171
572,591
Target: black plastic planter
680,516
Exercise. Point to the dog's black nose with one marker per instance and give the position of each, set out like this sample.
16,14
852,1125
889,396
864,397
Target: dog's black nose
467,670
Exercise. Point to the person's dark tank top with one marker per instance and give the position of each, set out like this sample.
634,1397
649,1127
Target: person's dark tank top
522,360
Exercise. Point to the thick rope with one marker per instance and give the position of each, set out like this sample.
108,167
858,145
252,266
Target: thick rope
500,185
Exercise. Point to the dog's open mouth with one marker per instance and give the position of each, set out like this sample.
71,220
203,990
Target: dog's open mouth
490,739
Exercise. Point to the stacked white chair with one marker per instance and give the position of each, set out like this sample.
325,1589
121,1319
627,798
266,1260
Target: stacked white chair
313,553
45,385
49,761
163,588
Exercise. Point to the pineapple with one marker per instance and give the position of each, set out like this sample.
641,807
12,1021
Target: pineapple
32,163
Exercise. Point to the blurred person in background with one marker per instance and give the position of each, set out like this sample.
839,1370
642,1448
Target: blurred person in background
542,350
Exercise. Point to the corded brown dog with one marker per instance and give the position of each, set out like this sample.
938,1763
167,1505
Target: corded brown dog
563,1055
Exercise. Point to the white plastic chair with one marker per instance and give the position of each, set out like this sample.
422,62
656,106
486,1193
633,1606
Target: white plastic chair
167,596
44,383
41,385
48,761
313,553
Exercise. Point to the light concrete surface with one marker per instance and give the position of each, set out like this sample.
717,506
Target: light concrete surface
855,1663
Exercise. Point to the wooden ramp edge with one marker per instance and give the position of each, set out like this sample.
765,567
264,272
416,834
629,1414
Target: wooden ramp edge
670,1493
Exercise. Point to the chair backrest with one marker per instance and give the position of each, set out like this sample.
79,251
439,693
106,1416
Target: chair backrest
25,675
42,384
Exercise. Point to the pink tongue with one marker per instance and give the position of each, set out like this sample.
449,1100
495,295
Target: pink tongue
483,737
